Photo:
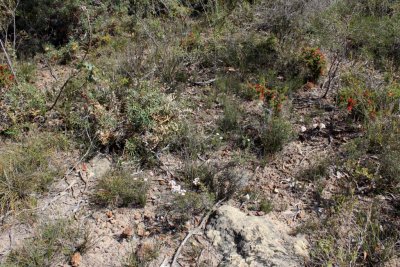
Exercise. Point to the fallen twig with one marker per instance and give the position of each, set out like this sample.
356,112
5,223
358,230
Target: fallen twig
205,82
194,231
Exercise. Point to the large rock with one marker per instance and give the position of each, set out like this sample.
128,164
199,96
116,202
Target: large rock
250,241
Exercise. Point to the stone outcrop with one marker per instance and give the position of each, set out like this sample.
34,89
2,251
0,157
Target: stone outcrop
251,241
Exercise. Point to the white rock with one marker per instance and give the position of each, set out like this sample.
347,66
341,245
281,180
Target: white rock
303,129
253,241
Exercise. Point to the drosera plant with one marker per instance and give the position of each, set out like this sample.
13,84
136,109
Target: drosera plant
119,188
28,168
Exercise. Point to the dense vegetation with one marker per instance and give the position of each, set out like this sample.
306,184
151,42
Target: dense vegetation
118,75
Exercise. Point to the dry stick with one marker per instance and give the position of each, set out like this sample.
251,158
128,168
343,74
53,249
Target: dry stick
50,69
194,231
199,257
8,60
15,26
332,74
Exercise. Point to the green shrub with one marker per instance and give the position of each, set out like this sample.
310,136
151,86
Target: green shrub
199,176
6,77
275,134
230,119
379,175
27,72
187,141
315,62
266,206
120,189
366,101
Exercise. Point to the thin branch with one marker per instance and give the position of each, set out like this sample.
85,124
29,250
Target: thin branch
194,231
8,60
74,74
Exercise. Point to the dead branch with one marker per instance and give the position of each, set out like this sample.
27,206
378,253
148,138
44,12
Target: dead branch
331,74
194,231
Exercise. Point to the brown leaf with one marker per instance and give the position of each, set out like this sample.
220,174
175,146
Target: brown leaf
128,232
76,259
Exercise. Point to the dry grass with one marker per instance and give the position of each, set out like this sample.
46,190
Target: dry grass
28,168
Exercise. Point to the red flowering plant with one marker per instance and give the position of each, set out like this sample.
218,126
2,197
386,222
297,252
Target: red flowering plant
6,77
362,102
271,97
359,102
315,62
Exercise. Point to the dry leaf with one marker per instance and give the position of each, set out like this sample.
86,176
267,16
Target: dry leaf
76,259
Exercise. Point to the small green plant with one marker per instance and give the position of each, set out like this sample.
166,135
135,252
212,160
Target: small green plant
187,141
54,241
367,102
316,171
119,188
27,72
266,205
276,133
23,103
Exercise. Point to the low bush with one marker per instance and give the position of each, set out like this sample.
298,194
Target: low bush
365,100
315,61
6,77
275,134
230,118
187,141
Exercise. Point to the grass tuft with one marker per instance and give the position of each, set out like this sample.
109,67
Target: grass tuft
53,242
27,169
119,188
